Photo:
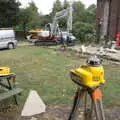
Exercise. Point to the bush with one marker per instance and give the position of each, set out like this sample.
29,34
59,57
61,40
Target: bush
84,31
90,38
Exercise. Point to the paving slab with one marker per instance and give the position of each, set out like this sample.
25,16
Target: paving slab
33,105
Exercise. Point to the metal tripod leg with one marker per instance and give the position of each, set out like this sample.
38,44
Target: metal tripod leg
10,87
97,100
102,111
99,110
79,94
88,110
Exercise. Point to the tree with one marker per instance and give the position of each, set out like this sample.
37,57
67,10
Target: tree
90,14
9,11
35,16
45,19
84,20
57,6
29,17
83,30
24,18
33,7
78,11
65,4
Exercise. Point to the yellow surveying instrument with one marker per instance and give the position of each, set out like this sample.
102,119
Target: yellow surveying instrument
4,70
89,78
7,82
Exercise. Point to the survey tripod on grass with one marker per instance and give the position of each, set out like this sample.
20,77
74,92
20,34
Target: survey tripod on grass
7,84
89,78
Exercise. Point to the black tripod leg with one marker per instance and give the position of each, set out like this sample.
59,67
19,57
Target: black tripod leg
79,94
15,98
10,88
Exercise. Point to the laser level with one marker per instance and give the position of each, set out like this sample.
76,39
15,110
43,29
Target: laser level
89,75
4,70
89,78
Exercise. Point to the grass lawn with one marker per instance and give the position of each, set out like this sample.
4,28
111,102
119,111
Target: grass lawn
47,72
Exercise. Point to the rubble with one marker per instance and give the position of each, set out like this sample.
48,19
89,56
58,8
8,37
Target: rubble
106,53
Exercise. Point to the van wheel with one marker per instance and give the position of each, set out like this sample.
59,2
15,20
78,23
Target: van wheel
10,46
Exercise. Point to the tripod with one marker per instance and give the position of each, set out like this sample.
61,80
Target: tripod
96,106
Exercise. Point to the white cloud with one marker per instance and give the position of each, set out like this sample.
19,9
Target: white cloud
45,6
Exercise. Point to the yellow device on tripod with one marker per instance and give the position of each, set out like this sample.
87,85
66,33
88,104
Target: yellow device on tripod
89,75
88,78
4,71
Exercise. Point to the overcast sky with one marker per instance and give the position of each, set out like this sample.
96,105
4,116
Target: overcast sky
45,6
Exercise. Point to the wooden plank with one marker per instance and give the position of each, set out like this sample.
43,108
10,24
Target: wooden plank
10,93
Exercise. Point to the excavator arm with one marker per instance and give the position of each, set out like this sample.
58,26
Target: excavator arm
59,15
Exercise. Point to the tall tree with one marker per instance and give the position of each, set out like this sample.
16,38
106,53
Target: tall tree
29,17
65,4
35,16
84,21
90,14
33,7
9,11
24,18
57,6
78,11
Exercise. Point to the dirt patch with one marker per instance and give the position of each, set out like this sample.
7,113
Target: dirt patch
52,113
62,113
57,113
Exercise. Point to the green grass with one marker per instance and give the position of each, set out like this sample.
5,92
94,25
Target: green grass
112,87
43,70
47,72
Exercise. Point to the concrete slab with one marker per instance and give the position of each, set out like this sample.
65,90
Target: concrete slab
33,105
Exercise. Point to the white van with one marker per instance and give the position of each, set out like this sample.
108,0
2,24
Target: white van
7,39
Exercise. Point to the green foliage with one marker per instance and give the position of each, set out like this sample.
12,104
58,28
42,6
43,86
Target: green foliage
84,19
9,11
34,20
78,11
83,31
90,37
65,4
25,17
29,17
91,14
45,19
57,6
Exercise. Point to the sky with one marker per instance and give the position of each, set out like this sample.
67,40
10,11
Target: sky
45,6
